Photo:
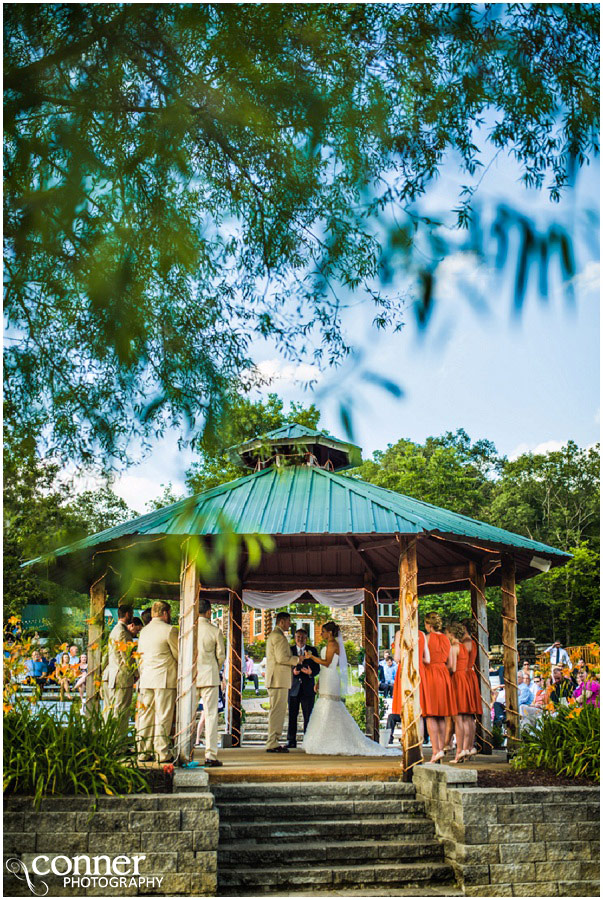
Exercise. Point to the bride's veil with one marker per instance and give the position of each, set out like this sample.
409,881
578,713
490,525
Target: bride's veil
343,666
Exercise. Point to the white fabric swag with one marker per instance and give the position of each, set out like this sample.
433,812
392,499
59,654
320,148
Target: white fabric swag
275,599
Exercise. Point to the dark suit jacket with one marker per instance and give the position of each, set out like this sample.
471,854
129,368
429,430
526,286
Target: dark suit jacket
303,685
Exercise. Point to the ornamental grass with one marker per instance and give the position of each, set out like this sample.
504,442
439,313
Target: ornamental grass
74,754
565,742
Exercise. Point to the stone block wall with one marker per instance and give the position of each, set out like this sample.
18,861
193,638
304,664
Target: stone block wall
514,842
177,834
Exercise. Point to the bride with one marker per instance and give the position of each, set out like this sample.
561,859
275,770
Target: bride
331,730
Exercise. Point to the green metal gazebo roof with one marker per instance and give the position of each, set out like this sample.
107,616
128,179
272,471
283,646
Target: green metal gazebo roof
295,502
293,441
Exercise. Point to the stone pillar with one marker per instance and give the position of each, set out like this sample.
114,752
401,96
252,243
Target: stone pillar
96,623
236,667
186,694
479,613
409,655
371,658
510,658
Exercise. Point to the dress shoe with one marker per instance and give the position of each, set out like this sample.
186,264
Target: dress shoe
277,750
291,746
212,763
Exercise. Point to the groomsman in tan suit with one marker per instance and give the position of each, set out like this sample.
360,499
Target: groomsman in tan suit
210,657
158,648
119,675
279,664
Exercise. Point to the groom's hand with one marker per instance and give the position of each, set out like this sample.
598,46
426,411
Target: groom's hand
306,670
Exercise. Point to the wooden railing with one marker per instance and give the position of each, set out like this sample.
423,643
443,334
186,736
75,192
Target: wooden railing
590,653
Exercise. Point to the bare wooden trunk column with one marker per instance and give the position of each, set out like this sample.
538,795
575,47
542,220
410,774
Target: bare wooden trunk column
186,694
370,617
510,658
235,633
409,659
479,612
98,597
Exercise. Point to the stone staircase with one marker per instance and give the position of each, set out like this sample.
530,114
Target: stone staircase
255,733
328,837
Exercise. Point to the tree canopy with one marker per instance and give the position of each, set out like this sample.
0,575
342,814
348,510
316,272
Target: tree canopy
182,180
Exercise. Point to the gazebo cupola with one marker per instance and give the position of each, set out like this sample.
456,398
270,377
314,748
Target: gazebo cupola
297,445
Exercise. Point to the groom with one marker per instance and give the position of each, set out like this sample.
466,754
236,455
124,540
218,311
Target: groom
279,663
302,688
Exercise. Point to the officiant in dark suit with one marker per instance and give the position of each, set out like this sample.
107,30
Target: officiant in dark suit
302,688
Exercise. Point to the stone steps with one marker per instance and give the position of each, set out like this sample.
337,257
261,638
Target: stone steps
336,877
250,854
328,837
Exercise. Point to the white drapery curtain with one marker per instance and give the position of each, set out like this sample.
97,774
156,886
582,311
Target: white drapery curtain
275,599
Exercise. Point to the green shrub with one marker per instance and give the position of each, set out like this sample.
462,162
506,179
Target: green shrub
497,737
356,705
566,743
73,755
351,651
257,650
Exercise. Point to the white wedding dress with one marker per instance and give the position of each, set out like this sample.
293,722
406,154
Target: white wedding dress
331,730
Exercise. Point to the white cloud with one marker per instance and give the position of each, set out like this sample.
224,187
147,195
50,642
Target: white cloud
543,448
588,280
138,490
277,372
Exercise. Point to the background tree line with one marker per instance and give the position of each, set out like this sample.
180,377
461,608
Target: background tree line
553,498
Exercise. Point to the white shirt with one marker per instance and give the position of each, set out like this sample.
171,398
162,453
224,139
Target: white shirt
559,656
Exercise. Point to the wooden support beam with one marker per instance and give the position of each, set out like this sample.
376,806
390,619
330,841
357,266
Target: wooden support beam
235,634
409,660
479,613
510,658
186,694
366,564
98,597
370,618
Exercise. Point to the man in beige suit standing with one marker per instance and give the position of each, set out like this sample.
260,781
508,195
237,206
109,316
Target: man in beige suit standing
120,673
210,657
158,648
279,664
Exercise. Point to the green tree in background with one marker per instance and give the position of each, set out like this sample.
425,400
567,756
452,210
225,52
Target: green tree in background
243,419
184,179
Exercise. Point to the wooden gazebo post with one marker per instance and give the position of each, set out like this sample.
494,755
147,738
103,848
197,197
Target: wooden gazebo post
510,658
186,693
479,612
235,633
98,598
370,620
409,649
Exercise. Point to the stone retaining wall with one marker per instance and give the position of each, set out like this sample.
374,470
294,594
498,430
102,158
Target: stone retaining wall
514,842
177,834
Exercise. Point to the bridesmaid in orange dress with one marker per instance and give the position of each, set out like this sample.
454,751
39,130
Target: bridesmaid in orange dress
438,695
397,692
464,689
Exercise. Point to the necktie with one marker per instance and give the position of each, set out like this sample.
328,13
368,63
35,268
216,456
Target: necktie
557,660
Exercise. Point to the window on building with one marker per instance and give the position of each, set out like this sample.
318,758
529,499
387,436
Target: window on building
386,636
307,625
358,609
257,621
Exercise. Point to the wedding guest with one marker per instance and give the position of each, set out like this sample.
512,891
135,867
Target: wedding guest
562,687
50,663
74,656
135,627
146,616
65,676
588,689
80,684
389,676
525,691
525,670
120,673
558,656
37,669
579,667
249,673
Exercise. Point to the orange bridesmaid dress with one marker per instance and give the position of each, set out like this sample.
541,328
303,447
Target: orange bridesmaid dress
477,699
438,694
463,684
397,692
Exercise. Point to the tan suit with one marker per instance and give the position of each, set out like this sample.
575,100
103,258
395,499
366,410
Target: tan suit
158,648
210,657
279,663
118,678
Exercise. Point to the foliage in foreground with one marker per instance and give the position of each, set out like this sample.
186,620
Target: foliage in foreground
566,743
74,755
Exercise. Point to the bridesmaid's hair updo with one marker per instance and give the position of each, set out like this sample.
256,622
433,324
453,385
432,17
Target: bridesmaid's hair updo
332,628
457,630
471,626
434,619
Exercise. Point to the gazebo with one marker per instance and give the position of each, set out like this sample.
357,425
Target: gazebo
341,539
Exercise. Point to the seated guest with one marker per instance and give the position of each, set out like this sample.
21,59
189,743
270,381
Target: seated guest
588,689
499,707
249,673
525,692
392,720
80,684
389,676
562,687
540,694
525,670
74,655
37,669
50,663
579,667
65,676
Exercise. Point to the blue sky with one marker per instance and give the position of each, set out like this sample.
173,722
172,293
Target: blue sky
527,384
